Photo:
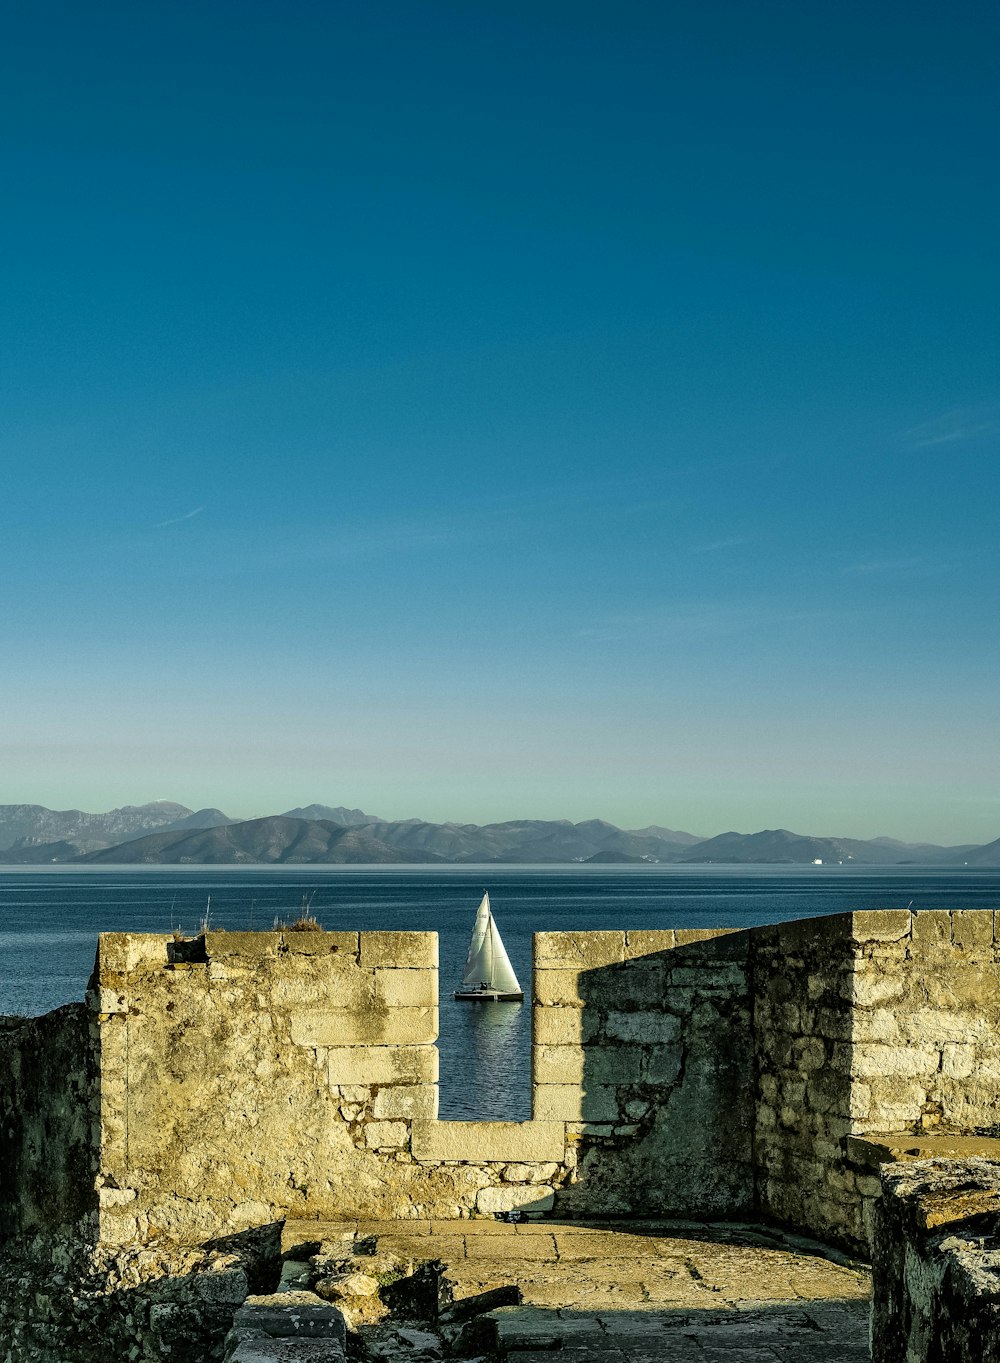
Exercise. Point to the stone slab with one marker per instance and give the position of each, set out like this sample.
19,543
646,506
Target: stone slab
891,1147
412,950
371,1027
522,1142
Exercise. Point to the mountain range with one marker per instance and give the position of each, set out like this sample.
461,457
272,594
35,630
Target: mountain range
165,833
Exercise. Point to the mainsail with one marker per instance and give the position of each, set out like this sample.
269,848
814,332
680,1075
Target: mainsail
488,963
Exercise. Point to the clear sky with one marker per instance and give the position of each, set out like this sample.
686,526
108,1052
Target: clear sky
481,409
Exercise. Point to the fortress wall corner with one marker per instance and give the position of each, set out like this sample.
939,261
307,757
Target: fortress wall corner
874,1024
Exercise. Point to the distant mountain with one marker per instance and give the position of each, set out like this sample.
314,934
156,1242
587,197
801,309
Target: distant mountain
26,852
613,859
172,833
781,845
272,840
350,818
524,840
30,826
668,835
983,856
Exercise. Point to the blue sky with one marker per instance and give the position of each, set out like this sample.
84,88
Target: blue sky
480,410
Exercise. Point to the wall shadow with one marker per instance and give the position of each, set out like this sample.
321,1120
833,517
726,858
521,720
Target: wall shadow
661,1112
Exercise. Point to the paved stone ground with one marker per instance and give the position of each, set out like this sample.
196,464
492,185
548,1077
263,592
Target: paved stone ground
642,1291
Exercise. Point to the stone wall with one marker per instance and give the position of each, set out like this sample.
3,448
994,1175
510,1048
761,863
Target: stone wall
48,1150
643,1047
807,1101
250,1077
242,1078
867,1023
936,1261
247,1077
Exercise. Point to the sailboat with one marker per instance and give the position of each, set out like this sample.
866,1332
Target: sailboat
489,976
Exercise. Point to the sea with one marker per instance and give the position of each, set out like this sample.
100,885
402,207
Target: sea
49,920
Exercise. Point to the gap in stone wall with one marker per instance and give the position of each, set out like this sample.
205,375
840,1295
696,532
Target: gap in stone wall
485,1048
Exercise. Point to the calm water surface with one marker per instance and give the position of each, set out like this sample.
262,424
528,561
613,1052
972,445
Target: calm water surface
49,920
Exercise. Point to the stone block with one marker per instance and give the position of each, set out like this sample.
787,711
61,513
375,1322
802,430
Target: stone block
931,930
563,1026
881,925
589,1065
368,1027
531,1197
557,986
370,1065
809,1053
263,1349
872,1060
571,1103
870,986
643,1027
634,984
662,1064
249,946
485,1142
118,953
407,988
958,1062
386,1135
286,1315
965,983
409,950
879,1024
329,982
320,943
583,950
406,1100
937,1026
612,1065
972,931
643,942
557,1064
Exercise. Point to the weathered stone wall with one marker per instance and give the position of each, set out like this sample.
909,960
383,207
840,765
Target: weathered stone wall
279,1075
807,1102
867,1023
247,1077
643,1047
48,1137
936,1263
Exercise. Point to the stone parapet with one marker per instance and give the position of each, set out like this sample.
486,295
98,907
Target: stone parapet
936,1263
217,1084
877,1022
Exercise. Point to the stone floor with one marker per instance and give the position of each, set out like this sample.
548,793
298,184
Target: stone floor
639,1291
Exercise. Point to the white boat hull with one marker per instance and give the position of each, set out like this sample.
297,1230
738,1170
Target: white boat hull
486,996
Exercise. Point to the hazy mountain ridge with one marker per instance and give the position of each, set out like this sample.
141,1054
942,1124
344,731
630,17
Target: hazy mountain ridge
781,845
275,839
35,830
164,833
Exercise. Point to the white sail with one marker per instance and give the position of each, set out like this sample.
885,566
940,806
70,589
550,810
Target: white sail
488,963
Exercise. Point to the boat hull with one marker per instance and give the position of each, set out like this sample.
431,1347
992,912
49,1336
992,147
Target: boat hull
486,996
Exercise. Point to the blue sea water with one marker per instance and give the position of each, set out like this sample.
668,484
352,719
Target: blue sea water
49,920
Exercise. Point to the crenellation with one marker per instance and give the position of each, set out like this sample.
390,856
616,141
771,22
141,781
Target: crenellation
211,1087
